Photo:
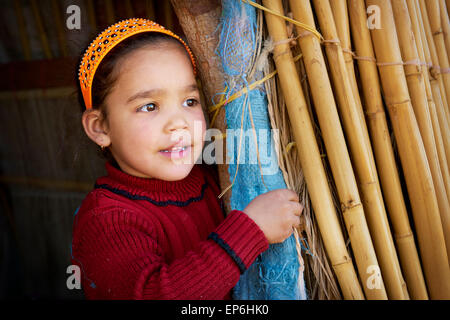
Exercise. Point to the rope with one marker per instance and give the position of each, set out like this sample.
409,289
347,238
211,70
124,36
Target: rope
297,23
238,94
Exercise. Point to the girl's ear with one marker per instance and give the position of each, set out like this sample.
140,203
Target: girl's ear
95,127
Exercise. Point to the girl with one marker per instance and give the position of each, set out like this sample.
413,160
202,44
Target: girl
153,228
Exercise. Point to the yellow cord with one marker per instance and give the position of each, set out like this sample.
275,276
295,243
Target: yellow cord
297,23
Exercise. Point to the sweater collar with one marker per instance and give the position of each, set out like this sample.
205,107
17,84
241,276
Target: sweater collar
156,189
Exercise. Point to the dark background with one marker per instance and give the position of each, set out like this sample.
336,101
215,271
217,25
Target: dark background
47,165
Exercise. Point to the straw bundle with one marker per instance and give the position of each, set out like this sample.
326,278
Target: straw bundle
412,154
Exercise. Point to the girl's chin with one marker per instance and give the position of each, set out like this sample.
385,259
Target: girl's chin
176,172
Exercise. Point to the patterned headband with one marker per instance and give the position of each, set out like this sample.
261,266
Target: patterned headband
107,40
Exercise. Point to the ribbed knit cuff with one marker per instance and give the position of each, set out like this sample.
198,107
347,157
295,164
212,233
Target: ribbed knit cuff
241,238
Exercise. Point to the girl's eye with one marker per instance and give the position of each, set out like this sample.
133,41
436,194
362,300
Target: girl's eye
190,103
149,107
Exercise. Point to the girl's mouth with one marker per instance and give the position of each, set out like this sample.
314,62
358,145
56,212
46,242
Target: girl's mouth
176,152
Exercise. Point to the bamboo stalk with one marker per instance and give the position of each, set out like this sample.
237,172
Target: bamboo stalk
41,30
340,13
22,30
412,155
336,149
384,153
436,69
434,17
310,157
439,99
419,102
445,21
431,104
362,157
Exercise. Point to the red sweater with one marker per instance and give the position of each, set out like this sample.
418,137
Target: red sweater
136,238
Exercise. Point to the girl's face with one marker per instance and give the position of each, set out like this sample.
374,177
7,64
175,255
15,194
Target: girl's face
155,121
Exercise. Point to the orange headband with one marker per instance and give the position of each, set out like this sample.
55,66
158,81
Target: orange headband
107,40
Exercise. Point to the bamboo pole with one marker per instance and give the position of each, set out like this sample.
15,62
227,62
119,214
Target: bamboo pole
310,157
438,97
361,153
436,69
419,102
333,136
41,30
340,13
384,153
434,18
412,154
431,104
22,30
445,21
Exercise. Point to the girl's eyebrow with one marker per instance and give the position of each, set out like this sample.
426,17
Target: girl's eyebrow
151,92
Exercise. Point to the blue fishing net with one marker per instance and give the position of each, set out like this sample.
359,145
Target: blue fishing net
275,273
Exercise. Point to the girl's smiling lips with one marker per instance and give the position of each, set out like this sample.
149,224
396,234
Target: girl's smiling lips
176,152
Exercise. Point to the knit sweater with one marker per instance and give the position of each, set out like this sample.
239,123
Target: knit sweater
137,238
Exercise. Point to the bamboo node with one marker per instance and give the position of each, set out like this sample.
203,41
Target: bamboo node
350,205
331,41
440,31
371,59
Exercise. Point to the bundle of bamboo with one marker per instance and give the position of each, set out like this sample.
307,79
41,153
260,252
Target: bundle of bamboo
401,66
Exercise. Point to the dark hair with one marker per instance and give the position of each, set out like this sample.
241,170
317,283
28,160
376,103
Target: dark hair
105,75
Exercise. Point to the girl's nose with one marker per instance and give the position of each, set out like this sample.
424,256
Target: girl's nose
176,122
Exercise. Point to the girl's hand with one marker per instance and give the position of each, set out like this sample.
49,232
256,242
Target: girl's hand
276,213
